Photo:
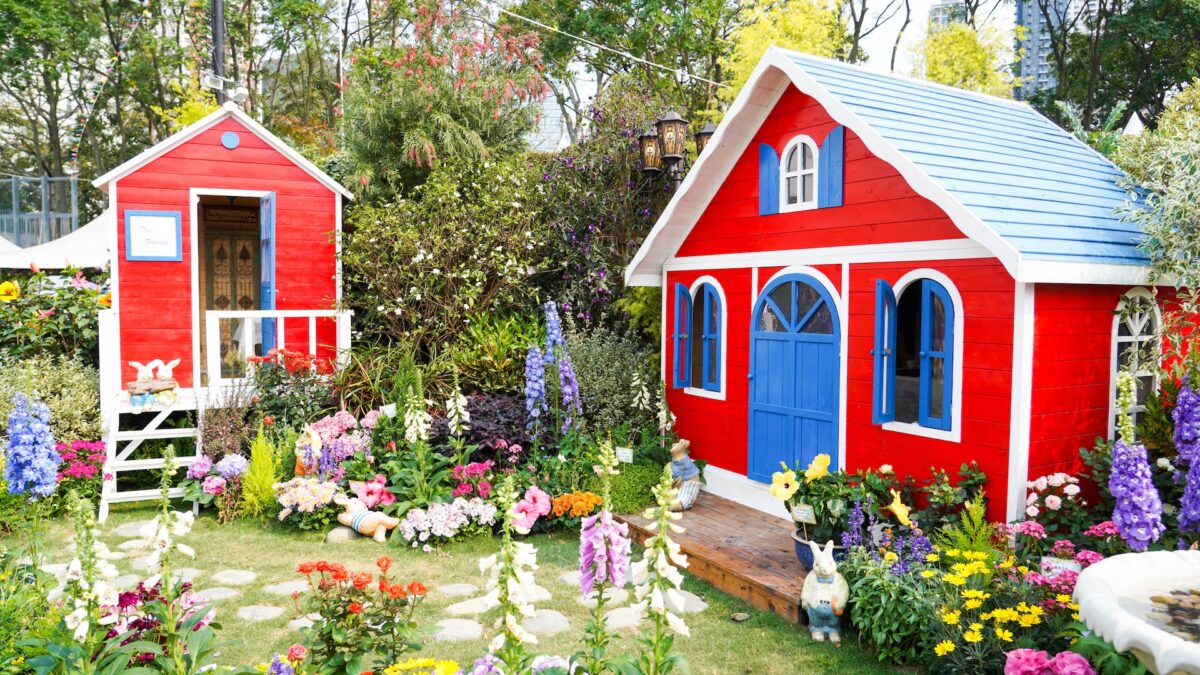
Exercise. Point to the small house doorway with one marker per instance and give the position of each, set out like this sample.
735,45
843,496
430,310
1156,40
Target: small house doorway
794,376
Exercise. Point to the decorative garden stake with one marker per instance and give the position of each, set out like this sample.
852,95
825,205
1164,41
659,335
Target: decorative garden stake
824,596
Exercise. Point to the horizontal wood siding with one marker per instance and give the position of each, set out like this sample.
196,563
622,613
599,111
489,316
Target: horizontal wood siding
879,205
155,297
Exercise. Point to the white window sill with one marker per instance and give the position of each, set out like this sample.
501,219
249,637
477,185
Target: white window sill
914,429
791,208
705,393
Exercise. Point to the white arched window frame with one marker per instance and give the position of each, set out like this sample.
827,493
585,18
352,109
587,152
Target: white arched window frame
1134,331
711,339
798,175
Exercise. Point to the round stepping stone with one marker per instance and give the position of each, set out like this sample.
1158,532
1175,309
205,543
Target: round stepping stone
218,593
126,582
621,618
612,596
546,622
456,590
474,606
259,612
234,577
287,587
340,535
570,578
113,555
143,564
134,528
540,594
303,622
685,603
187,574
133,545
54,569
457,630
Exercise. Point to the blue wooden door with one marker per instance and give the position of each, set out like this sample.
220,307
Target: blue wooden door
794,376
267,251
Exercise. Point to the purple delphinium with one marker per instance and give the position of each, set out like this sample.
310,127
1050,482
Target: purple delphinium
603,552
571,403
535,384
200,468
280,666
554,335
1189,504
1138,511
853,534
32,463
1187,423
232,466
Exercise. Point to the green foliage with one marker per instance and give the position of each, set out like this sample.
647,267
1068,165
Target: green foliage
961,56
945,499
48,317
973,532
195,103
67,386
1097,465
291,391
490,352
891,612
631,488
641,307
375,375
1104,139
24,612
605,363
258,493
1103,656
465,242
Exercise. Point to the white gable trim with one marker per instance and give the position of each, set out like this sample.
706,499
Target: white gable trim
192,130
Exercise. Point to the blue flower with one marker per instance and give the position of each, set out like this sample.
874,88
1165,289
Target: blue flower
535,384
554,335
32,463
232,466
1187,423
1138,511
571,403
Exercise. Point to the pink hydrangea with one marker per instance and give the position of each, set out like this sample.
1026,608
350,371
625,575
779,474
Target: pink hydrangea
1087,558
213,485
1030,528
1070,663
1026,662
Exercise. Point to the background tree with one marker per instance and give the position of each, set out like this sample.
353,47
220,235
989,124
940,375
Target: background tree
864,17
963,57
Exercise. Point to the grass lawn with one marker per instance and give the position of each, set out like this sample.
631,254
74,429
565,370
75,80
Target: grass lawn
764,643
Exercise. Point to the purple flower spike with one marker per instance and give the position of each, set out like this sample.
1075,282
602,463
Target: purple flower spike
1138,512
603,552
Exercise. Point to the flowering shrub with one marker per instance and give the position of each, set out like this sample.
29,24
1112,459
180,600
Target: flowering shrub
309,498
67,386
1054,501
82,468
292,387
41,316
361,615
1027,661
441,523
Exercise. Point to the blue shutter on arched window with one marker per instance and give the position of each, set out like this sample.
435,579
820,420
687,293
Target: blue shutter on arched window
883,408
768,180
712,339
681,366
830,174
937,356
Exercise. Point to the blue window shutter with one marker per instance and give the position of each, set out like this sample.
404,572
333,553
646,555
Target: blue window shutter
768,180
928,415
883,398
830,175
712,339
682,344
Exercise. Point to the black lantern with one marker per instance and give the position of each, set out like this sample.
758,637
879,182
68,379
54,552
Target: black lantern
703,136
672,137
651,157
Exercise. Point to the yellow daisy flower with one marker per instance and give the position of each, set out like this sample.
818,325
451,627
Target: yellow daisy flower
1063,598
973,636
955,579
950,617
932,557
890,557
943,648
973,604
928,574
1005,635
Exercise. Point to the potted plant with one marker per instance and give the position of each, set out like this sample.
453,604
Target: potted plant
818,502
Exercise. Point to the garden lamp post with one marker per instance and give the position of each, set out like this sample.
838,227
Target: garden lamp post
704,136
651,157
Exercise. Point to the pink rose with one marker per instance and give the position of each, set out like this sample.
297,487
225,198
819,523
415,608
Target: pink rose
213,485
540,500
1070,663
1053,502
1026,662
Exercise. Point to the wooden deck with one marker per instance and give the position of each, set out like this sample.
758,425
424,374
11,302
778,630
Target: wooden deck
745,553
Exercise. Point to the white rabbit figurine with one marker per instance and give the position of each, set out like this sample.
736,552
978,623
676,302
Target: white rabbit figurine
166,371
145,372
824,595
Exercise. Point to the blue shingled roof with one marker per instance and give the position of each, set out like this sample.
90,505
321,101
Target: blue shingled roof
1047,194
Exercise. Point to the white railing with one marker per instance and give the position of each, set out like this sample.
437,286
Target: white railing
247,336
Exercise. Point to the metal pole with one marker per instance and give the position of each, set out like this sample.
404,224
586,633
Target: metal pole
45,209
74,204
218,45
16,211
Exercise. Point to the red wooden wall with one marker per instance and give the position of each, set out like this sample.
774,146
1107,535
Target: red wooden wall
154,298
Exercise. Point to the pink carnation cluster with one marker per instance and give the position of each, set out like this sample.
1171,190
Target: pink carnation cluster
1030,528
1062,583
1037,662
1087,558
1103,530
535,504
81,459
472,479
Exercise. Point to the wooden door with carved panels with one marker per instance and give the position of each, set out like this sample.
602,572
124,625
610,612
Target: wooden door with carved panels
232,260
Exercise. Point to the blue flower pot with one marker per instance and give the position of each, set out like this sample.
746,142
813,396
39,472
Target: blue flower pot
805,554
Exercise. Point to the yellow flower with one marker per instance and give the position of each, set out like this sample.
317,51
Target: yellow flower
943,648
1023,569
105,300
1063,598
953,552
977,627
818,469
974,555
9,291
890,557
950,617
932,557
1075,616
972,636
1004,615
976,594
1027,620
1008,562
899,509
1005,635
973,604
783,484
955,579
928,574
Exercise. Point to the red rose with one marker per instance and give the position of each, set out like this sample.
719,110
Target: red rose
396,591
355,608
306,568
417,588
362,580
296,653
384,563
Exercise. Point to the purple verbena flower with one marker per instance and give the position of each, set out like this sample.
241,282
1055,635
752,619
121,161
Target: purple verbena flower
1138,511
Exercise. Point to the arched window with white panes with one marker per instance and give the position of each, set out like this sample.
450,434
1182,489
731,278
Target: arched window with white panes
798,175
698,335
1135,350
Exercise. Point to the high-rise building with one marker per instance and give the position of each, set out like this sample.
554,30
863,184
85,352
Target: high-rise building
946,11
1037,60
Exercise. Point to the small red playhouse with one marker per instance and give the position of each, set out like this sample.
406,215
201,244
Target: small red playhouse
892,272
224,245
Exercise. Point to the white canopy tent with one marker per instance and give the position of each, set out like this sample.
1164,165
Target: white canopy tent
86,247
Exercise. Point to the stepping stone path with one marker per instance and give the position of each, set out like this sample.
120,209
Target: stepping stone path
134,544
691,604
54,569
540,594
621,618
473,606
612,596
546,622
143,564
570,578
218,593
287,587
259,612
303,622
126,582
456,590
234,577
134,529
113,555
457,630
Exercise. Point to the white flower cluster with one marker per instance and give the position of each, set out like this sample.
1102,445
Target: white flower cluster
83,595
641,394
457,416
1053,483
416,420
424,527
656,577
168,527
522,590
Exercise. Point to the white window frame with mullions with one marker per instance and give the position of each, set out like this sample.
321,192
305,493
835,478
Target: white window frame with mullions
1142,327
698,362
801,174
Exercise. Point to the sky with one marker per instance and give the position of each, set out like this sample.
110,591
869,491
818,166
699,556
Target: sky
879,43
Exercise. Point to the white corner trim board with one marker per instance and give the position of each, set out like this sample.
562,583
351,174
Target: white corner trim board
1021,403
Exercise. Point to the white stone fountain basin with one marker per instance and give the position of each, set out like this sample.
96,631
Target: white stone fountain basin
1114,600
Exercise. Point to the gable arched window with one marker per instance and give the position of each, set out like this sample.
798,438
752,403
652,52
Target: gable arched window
1134,350
698,340
798,175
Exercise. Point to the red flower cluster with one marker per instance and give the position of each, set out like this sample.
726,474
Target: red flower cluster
293,360
335,573
81,459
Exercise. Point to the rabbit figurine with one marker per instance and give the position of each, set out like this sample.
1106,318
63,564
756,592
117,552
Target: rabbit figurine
166,371
145,372
824,595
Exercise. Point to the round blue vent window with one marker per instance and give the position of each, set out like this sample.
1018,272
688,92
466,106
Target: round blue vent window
230,140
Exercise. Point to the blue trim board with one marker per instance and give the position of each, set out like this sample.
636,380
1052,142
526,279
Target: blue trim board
681,372
830,168
178,256
768,180
883,395
927,417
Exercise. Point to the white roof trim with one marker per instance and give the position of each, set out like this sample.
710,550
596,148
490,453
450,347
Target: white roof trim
192,130
751,107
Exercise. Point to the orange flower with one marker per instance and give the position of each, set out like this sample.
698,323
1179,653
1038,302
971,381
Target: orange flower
362,580
383,585
306,568
338,573
417,588
383,562
355,608
396,591
322,566
105,300
268,420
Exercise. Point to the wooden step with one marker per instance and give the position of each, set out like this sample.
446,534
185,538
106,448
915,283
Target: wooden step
742,551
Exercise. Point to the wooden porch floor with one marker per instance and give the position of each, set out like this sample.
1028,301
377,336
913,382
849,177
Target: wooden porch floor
744,552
